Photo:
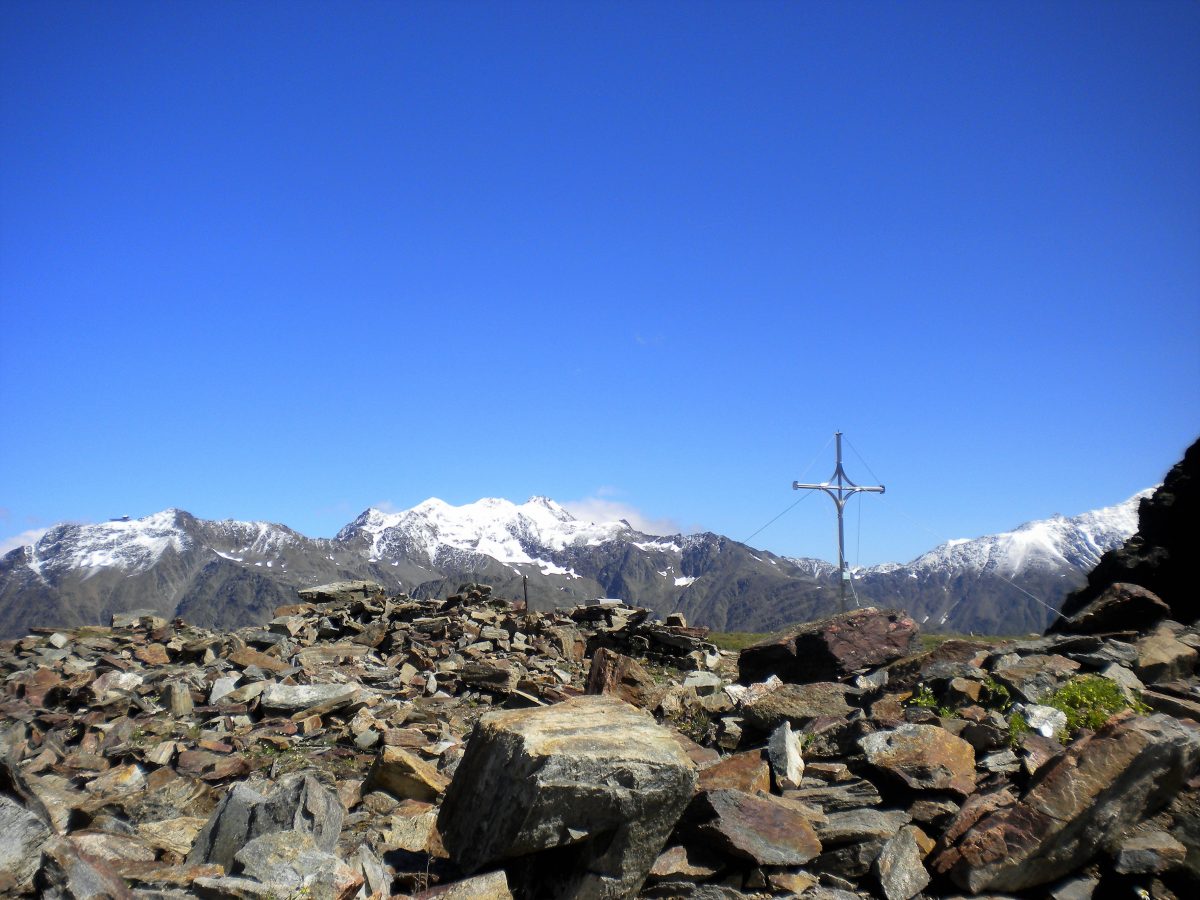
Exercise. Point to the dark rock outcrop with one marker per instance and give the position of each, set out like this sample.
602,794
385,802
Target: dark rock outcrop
1160,556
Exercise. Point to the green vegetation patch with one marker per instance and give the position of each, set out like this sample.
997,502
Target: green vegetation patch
1090,700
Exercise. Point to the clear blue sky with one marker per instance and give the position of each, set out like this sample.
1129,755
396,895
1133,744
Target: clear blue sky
284,261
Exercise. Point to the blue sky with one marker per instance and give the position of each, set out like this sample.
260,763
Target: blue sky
284,261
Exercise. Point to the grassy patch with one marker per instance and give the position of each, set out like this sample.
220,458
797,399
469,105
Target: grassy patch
735,640
930,640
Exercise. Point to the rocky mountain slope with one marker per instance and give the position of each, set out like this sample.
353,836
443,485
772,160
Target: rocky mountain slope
229,574
363,745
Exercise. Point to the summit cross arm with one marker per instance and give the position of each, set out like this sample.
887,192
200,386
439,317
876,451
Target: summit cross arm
840,488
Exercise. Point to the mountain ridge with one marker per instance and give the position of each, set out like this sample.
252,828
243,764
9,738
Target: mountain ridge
229,572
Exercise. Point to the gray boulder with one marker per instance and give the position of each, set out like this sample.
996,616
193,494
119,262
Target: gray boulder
299,803
592,778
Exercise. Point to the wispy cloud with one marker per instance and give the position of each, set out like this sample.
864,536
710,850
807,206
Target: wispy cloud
602,508
20,540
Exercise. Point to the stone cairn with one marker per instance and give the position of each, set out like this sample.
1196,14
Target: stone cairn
363,745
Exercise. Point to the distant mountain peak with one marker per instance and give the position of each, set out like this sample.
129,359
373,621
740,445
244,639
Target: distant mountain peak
492,526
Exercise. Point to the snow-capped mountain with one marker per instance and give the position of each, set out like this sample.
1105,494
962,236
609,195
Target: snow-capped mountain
491,527
1009,583
229,573
1050,544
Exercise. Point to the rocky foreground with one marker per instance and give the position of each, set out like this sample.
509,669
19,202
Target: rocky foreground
362,745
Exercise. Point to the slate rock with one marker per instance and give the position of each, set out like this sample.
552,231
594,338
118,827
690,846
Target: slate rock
291,861
624,677
832,648
1119,607
67,873
178,698
797,704
22,835
852,861
1102,785
1149,854
405,776
854,825
1030,678
592,774
498,676
759,829
1163,657
298,803
297,697
854,794
685,862
924,757
746,771
1075,889
492,886
783,753
899,866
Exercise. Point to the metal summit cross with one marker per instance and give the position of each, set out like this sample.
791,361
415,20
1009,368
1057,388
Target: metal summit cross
841,489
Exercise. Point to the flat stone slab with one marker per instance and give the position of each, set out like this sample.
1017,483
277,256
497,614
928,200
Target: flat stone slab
760,829
796,704
924,757
22,835
295,697
855,825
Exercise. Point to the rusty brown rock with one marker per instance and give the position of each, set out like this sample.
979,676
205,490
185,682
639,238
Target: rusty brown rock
211,766
1120,606
1083,801
831,648
153,655
684,862
1162,657
753,828
244,657
404,776
624,677
747,772
924,757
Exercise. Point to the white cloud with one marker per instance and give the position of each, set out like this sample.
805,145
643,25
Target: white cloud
604,509
20,540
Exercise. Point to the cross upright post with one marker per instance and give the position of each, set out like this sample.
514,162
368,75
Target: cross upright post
840,489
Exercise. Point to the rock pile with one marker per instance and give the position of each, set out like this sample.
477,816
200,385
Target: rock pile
362,745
